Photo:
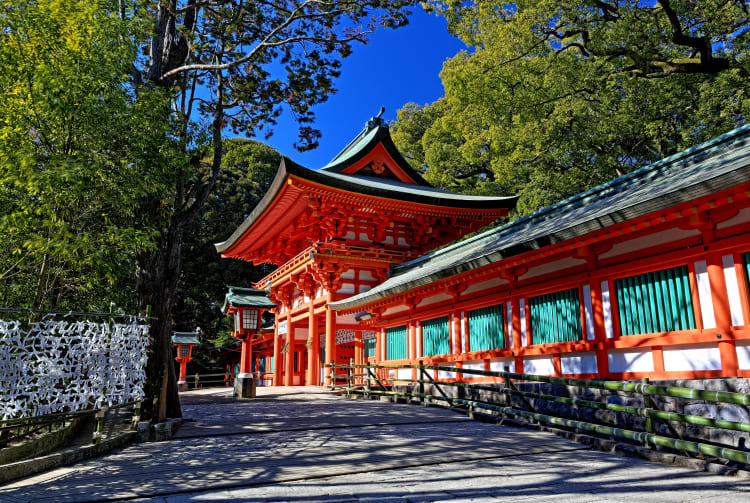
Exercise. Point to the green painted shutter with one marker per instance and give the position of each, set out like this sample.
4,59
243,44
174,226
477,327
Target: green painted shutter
436,336
556,317
270,364
657,301
486,328
395,343
370,347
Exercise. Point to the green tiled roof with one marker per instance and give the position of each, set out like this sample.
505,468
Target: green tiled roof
185,338
375,131
246,297
705,169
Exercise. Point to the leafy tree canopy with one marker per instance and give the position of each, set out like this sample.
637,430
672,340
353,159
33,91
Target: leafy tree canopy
554,97
78,153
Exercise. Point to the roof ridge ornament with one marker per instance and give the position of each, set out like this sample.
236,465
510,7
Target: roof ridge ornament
376,121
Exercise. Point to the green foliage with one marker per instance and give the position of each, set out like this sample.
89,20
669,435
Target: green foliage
555,97
79,152
247,171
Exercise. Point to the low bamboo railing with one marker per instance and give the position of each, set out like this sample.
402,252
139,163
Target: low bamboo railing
18,428
368,380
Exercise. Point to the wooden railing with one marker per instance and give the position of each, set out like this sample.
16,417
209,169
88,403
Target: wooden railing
12,430
368,380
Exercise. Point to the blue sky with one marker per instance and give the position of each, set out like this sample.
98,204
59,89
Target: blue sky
396,67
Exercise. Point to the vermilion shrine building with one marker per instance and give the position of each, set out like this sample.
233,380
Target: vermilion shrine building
645,276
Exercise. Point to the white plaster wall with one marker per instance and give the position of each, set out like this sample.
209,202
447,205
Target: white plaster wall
484,285
348,274
350,236
434,299
366,275
684,358
499,364
403,373
630,360
743,356
395,309
704,295
579,363
733,290
656,239
347,288
364,288
442,374
464,342
588,311
607,309
538,365
473,365
550,267
742,216
523,321
509,321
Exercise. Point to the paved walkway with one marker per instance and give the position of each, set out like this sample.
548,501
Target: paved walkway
303,444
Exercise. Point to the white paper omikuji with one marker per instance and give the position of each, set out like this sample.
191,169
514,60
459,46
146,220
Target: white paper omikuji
62,366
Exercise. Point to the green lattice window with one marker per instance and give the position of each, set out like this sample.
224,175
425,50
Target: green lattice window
486,328
746,260
436,336
657,301
556,317
370,347
395,343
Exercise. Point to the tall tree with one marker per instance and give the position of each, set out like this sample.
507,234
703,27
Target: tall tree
78,149
234,63
555,97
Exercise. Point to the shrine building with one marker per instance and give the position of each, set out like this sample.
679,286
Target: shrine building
644,276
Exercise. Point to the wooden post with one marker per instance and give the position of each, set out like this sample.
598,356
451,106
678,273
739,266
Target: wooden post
313,350
136,416
647,404
100,425
278,362
330,339
349,381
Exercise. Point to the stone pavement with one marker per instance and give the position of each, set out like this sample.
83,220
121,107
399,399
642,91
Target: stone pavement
303,444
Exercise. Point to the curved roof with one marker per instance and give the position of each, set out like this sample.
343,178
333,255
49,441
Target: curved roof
246,297
374,133
716,165
284,202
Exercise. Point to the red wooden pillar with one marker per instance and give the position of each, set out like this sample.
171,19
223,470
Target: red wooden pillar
313,351
359,352
600,331
723,316
456,333
379,345
246,356
516,310
330,338
277,361
289,357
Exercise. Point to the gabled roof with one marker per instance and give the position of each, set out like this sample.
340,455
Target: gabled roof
246,297
374,134
351,173
185,338
710,167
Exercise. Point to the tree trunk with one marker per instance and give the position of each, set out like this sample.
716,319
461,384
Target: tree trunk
158,276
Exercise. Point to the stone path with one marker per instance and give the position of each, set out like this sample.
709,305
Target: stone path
303,444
